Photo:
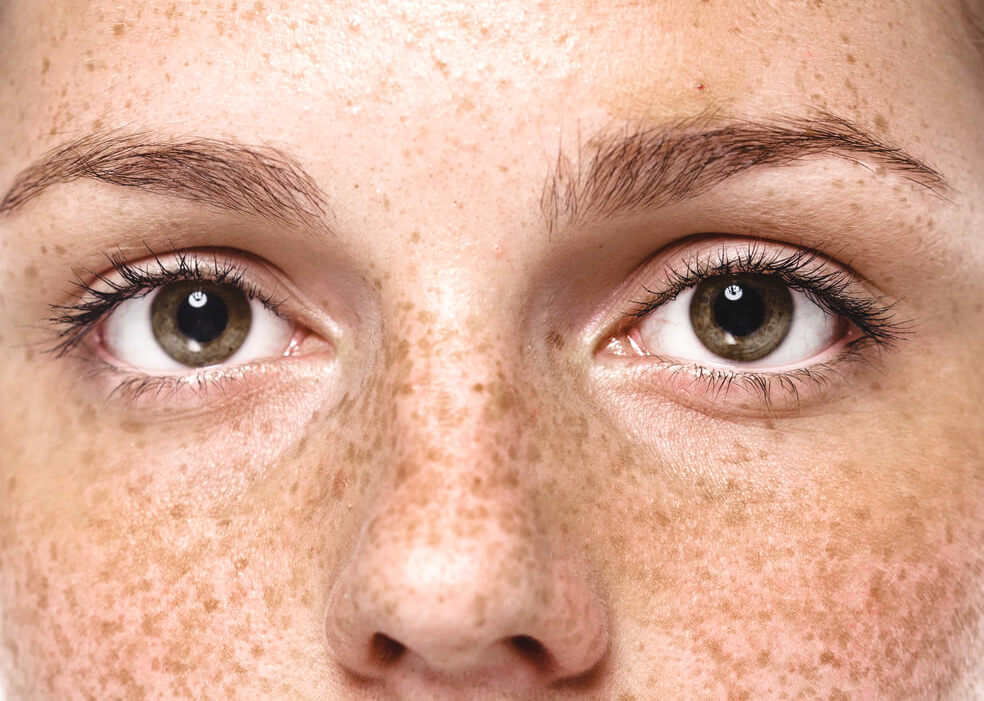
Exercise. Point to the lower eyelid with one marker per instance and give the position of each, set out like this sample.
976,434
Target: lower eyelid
737,391
204,390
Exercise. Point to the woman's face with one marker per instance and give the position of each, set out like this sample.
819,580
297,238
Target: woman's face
486,351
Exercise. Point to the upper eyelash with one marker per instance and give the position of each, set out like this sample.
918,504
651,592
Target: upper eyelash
76,319
803,270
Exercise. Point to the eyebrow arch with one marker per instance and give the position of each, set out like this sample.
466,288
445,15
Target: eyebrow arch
657,167
258,180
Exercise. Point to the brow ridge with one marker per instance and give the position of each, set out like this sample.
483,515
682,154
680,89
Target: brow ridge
258,180
651,168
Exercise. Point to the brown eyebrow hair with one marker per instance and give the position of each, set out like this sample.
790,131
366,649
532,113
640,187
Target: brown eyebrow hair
228,175
641,169
653,168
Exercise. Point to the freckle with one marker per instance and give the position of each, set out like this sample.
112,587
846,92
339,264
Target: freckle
119,29
132,427
210,605
30,272
338,484
45,65
270,596
881,122
850,58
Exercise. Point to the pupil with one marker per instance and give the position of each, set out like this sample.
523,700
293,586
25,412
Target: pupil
739,310
202,317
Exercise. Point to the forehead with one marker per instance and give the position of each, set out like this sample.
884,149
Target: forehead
301,71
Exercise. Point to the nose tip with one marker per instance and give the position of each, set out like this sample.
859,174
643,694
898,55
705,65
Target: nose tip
474,616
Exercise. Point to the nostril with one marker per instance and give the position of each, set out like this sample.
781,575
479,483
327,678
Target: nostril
532,651
384,650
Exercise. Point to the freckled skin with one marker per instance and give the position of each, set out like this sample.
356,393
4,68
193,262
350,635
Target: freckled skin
451,504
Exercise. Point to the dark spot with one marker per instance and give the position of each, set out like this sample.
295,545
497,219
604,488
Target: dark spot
555,340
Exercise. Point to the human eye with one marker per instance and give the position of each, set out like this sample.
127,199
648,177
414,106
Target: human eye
173,326
754,324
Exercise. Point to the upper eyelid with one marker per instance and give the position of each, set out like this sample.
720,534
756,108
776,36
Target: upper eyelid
833,286
77,317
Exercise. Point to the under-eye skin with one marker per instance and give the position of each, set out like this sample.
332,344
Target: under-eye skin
754,319
189,320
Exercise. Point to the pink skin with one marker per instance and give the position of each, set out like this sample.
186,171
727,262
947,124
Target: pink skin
448,492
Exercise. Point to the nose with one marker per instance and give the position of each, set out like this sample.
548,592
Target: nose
455,580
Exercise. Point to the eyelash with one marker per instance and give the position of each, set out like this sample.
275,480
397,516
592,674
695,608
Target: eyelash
803,270
97,299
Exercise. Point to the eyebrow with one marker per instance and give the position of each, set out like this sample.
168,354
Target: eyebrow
258,180
642,169
653,168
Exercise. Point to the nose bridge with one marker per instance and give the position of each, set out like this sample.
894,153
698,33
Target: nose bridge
457,392
460,428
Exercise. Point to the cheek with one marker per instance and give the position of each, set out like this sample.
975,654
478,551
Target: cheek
827,590
180,603
127,565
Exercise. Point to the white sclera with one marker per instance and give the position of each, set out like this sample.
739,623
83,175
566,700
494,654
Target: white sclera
128,336
667,332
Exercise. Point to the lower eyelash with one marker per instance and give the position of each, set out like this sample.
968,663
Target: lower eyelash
719,382
165,387
125,388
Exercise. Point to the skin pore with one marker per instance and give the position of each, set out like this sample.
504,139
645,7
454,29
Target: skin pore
451,490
